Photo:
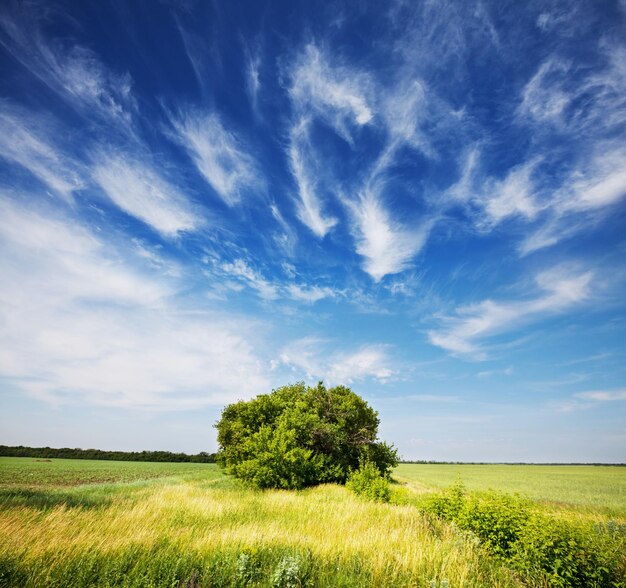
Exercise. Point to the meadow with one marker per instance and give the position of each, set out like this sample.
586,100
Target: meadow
65,523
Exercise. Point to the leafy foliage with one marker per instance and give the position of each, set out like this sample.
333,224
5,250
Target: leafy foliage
300,436
547,550
368,482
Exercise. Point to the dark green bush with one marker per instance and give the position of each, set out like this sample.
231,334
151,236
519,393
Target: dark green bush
368,483
300,436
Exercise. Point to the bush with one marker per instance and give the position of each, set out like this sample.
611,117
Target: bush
496,519
300,436
548,551
447,504
567,554
368,483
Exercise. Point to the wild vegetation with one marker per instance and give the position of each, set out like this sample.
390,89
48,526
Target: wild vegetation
194,526
203,528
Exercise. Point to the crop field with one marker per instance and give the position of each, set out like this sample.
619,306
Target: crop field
27,472
83,523
591,489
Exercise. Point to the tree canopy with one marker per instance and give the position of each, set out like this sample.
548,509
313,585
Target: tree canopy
299,436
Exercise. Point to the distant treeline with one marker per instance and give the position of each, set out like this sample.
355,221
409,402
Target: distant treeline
560,463
69,453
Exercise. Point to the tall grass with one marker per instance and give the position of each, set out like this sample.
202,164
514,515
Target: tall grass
196,531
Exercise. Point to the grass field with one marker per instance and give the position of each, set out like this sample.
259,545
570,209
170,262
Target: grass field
24,472
591,489
81,523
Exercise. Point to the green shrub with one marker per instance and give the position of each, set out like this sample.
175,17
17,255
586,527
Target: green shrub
546,550
447,504
368,483
496,519
566,554
300,436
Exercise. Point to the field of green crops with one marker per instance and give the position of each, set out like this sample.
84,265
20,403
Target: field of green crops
86,523
591,489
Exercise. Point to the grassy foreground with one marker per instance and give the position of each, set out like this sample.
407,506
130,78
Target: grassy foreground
81,523
200,528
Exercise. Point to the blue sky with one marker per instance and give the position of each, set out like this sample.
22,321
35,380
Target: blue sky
201,201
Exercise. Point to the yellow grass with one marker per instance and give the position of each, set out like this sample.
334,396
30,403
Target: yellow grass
395,545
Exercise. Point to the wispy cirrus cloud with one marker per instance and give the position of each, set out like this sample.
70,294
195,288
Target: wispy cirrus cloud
386,245
462,334
242,272
511,196
321,89
588,107
335,93
222,160
73,72
585,197
140,191
26,140
305,170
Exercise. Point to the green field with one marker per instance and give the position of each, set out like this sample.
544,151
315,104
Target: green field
593,489
85,523
29,472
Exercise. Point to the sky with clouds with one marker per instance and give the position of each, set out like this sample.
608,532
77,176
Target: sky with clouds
426,201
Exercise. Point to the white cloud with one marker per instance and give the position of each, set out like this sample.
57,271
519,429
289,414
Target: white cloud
271,290
218,155
578,102
588,400
309,358
309,205
286,238
25,142
310,293
585,196
461,334
240,269
370,361
387,246
511,196
463,189
75,73
406,110
543,98
602,395
79,325
603,182
337,94
140,191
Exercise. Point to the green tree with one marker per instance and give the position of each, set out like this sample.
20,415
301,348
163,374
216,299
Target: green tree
301,436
